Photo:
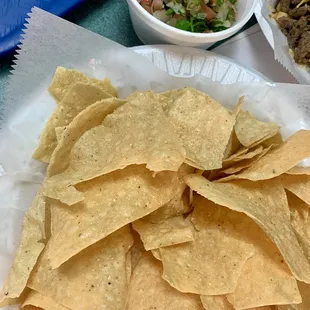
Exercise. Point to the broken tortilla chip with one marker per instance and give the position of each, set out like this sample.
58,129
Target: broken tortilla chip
172,231
79,97
89,118
185,266
111,202
64,79
298,185
299,170
146,137
148,290
94,279
264,202
31,245
197,116
216,302
250,130
265,279
279,160
38,300
300,221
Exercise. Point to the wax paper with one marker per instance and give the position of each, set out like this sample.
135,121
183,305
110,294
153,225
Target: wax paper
49,42
281,48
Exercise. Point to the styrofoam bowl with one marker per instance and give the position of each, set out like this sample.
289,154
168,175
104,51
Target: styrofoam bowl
150,30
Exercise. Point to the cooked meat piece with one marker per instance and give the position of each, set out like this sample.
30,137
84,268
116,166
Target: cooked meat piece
302,51
284,5
296,31
286,24
299,12
295,2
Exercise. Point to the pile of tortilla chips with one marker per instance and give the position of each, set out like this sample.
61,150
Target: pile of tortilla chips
163,202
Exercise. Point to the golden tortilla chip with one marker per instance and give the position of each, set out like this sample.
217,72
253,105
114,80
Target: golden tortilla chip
136,250
64,79
59,131
264,202
299,170
156,254
232,146
305,294
111,202
31,245
300,221
298,185
235,158
216,302
246,162
94,279
148,290
279,160
204,127
210,265
136,133
250,130
89,118
79,97
38,300
172,231
178,205
265,279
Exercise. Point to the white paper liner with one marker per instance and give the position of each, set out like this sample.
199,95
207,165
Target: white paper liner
49,42
281,48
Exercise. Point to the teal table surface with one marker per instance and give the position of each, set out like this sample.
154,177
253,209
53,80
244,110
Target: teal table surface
109,18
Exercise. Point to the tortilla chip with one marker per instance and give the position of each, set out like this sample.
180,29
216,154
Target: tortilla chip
79,97
237,158
264,202
94,279
298,185
172,231
265,279
136,133
89,118
232,146
276,140
64,79
197,116
149,291
300,222
156,254
38,300
32,235
299,170
250,130
111,202
178,205
246,162
305,294
279,160
136,250
59,131
210,265
216,303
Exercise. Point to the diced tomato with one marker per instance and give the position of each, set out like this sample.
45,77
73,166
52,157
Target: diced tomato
210,13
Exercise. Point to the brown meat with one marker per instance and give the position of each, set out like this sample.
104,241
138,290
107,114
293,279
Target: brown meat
286,24
284,5
299,12
296,31
302,51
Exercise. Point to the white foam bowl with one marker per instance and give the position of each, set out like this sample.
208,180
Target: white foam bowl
150,30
